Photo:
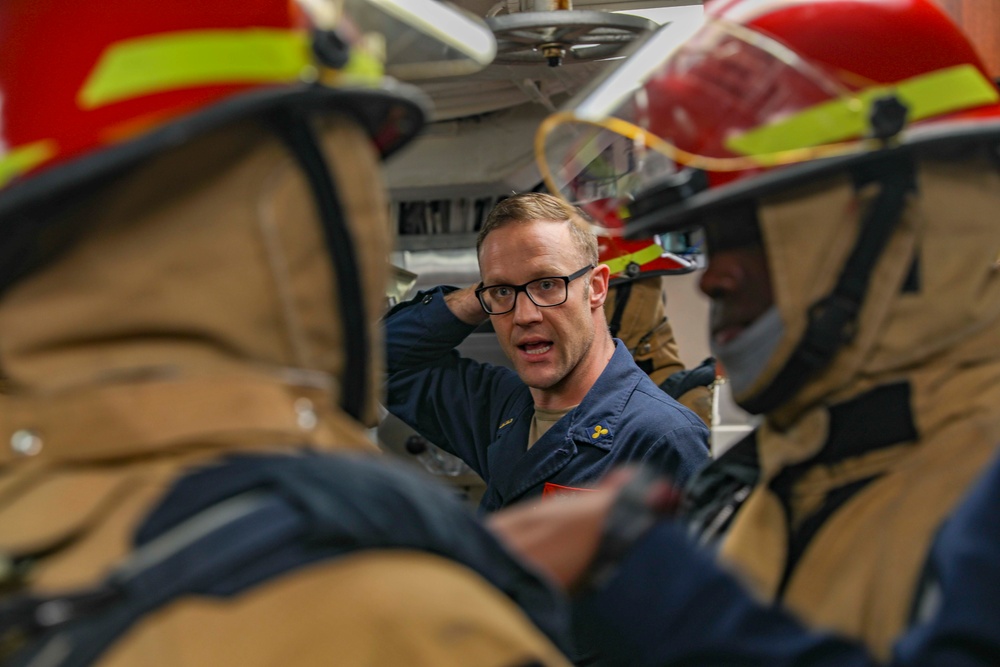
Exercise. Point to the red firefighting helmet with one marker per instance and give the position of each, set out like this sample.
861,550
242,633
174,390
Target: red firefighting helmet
761,94
641,258
645,258
87,86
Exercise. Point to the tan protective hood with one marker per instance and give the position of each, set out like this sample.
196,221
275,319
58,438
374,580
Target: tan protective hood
199,306
647,333
645,329
934,297
929,324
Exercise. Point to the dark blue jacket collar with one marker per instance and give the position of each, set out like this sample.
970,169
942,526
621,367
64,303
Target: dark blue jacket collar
592,423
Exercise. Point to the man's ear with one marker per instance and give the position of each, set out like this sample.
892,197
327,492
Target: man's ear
599,278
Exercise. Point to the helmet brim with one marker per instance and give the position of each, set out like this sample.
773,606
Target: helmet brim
942,140
372,108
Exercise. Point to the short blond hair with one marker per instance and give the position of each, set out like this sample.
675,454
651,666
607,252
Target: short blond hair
531,206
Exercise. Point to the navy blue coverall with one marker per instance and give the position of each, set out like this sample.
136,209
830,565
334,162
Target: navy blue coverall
482,413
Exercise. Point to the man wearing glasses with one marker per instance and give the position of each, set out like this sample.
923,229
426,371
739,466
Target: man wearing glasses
575,404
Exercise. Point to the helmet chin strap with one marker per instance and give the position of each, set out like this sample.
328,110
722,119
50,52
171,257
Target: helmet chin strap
833,319
622,293
296,132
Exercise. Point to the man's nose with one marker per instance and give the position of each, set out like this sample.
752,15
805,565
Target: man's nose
525,310
723,274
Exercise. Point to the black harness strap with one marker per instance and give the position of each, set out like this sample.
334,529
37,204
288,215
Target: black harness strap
833,319
876,420
223,530
622,293
294,129
76,630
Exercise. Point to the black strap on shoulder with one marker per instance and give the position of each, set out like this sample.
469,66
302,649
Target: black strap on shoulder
222,530
833,319
75,629
297,133
716,493
681,382
622,293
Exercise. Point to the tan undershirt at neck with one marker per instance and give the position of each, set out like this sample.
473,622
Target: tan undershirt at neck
542,421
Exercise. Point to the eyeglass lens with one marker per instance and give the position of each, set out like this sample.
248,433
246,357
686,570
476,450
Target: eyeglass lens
543,292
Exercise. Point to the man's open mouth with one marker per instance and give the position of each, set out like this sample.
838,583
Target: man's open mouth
535,348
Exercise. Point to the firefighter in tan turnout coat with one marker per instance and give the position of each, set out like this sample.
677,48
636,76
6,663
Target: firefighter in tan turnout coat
171,295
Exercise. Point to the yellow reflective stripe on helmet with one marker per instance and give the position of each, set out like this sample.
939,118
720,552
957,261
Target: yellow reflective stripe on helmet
25,158
640,257
926,96
363,68
148,65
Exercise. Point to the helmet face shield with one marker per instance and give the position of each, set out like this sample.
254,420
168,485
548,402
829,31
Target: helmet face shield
728,100
602,167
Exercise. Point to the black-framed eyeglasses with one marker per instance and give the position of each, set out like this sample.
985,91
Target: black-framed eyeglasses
543,292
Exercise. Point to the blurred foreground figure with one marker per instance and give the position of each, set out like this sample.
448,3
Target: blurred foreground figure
845,179
192,254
